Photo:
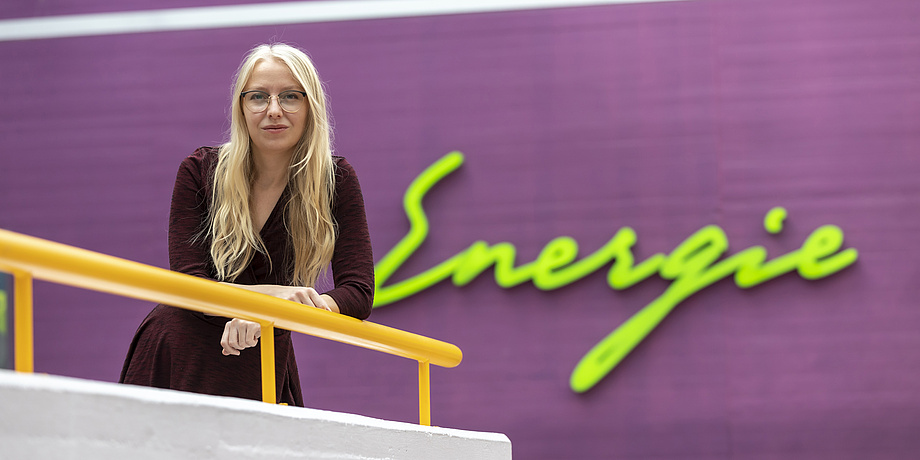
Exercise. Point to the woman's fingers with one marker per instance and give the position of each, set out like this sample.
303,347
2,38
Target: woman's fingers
238,335
250,333
227,350
303,295
309,296
317,300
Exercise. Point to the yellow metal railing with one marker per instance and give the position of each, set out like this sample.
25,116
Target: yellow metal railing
27,257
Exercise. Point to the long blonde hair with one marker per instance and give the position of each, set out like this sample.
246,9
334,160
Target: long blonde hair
308,212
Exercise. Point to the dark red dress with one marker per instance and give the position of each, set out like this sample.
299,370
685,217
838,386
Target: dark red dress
180,349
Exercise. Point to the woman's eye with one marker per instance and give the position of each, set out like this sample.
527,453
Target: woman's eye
257,97
293,97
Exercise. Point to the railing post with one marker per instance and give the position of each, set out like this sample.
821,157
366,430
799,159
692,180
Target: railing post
424,394
22,322
268,363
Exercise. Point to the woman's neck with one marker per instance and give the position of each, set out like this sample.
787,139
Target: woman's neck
271,171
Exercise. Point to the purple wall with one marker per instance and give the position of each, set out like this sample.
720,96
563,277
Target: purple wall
662,117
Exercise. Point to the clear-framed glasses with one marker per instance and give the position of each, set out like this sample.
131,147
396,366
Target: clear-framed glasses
257,101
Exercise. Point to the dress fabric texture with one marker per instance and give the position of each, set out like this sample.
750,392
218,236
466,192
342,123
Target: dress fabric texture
180,349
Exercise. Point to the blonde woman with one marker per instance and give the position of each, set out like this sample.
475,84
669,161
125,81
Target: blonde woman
268,211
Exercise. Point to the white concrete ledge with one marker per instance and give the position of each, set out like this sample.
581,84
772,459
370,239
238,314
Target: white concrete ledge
52,417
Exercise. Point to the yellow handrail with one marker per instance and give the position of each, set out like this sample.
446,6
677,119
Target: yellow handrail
27,257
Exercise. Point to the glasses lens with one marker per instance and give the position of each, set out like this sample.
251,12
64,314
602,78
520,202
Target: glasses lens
256,101
291,101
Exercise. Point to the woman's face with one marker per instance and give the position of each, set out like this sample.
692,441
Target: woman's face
274,131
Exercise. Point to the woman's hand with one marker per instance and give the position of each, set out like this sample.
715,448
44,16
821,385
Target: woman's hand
305,295
239,335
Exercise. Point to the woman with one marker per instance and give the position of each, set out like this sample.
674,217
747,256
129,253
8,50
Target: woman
268,211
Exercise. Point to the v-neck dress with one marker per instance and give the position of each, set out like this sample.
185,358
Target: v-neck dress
180,349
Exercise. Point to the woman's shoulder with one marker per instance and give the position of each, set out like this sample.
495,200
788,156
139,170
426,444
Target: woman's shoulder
343,169
201,162
340,161
203,155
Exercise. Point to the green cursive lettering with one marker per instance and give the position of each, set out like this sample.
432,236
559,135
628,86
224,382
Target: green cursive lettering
692,266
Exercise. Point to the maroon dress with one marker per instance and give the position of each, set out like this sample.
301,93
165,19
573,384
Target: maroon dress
180,349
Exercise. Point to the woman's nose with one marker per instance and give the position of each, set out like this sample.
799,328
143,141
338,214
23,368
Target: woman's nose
274,107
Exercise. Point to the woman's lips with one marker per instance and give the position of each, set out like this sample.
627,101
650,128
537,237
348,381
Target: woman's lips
274,128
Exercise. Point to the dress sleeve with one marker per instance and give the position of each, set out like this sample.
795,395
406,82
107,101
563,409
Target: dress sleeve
352,258
188,249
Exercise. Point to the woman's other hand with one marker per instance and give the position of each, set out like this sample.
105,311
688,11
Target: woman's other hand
239,335
304,295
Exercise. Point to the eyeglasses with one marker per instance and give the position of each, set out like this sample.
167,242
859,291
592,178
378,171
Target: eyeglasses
258,101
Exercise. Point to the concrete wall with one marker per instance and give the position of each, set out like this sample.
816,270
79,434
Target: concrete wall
52,417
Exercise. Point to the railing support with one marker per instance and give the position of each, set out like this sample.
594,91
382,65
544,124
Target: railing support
22,321
268,363
424,394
